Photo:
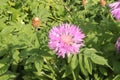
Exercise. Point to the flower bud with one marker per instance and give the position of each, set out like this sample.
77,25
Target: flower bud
117,45
83,2
36,22
102,2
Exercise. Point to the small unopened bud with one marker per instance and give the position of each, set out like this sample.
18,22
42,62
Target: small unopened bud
36,22
117,45
102,2
83,2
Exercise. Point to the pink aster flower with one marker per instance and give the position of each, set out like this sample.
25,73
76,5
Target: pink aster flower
115,5
117,45
116,13
66,39
115,9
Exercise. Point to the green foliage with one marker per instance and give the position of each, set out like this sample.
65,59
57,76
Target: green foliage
24,52
117,77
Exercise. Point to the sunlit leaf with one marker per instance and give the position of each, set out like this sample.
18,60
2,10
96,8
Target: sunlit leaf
88,64
117,77
7,76
16,56
82,65
38,65
74,62
99,59
3,69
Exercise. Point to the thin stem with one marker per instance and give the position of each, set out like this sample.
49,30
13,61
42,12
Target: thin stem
74,78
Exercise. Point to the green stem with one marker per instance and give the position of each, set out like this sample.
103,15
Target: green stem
37,37
74,78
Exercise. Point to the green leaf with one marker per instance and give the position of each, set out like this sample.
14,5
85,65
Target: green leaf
117,77
70,58
3,69
116,66
25,53
7,30
67,72
91,52
8,76
103,71
16,56
99,59
60,10
3,25
5,60
96,76
1,65
4,3
88,64
31,59
74,62
38,65
82,65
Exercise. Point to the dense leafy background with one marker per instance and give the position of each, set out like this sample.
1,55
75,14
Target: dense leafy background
24,52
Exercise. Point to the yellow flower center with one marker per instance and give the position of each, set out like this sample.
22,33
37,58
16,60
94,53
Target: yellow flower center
67,39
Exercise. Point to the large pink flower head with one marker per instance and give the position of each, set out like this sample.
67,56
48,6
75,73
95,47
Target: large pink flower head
115,9
66,39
